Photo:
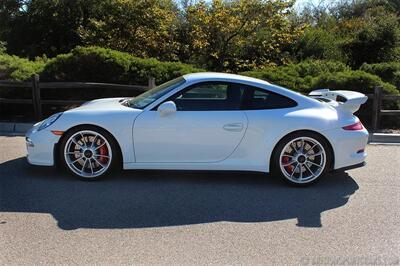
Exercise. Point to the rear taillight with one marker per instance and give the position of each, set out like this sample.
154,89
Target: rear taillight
355,126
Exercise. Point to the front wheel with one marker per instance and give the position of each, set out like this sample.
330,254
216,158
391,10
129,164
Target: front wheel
302,158
88,152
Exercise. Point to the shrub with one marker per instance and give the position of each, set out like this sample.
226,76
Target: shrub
388,72
20,69
319,43
314,74
299,76
110,66
353,80
317,67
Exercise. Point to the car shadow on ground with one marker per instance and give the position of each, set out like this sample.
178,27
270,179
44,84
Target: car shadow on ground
140,199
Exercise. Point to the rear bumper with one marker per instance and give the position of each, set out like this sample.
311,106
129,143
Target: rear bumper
348,147
350,167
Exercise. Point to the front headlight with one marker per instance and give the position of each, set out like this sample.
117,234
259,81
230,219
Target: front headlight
47,122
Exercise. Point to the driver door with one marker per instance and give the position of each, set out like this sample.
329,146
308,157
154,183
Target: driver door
207,126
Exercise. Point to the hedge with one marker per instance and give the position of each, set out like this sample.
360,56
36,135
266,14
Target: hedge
388,72
310,75
298,77
105,65
19,69
353,80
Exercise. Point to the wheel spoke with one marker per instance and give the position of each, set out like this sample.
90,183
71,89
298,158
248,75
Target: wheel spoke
83,166
101,145
74,153
99,163
83,139
91,166
75,160
294,170
319,166
301,173
290,156
302,144
76,143
315,154
308,168
101,155
289,163
312,148
94,140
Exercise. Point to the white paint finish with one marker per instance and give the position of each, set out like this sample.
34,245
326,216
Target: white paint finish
42,151
187,136
108,114
353,99
207,140
345,145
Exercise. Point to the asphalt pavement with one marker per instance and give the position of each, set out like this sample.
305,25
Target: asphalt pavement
186,218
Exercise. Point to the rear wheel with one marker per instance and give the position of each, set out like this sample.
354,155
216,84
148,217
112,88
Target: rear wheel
302,158
88,152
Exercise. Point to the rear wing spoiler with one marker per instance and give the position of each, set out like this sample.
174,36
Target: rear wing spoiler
346,100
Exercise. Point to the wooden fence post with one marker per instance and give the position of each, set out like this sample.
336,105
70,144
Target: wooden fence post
37,105
376,108
152,82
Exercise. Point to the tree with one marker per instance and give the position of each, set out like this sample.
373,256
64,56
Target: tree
375,41
142,28
355,32
236,35
36,27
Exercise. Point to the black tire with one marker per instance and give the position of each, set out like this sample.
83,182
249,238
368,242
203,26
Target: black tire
276,166
112,150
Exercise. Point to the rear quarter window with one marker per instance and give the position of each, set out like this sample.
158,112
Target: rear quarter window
262,99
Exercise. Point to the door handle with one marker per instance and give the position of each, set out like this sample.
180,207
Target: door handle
236,127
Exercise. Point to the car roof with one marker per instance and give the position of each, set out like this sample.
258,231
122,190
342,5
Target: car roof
204,76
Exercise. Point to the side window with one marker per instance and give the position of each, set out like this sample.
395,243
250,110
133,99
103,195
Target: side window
209,96
206,91
261,99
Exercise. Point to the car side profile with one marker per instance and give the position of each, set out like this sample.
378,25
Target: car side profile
207,121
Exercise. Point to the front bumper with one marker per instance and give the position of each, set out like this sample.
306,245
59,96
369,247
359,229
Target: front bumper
40,146
348,147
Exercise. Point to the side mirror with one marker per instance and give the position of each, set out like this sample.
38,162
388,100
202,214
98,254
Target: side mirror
166,108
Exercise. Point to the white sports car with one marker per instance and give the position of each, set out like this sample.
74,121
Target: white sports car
207,121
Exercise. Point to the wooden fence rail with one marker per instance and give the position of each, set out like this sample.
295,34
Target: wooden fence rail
377,97
36,87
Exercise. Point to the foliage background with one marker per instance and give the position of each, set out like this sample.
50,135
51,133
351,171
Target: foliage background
345,44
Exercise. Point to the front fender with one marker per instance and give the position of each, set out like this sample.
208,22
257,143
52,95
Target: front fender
118,124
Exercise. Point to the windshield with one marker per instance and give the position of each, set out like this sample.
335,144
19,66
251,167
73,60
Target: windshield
152,95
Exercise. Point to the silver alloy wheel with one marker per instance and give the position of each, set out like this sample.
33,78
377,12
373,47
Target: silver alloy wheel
88,153
302,160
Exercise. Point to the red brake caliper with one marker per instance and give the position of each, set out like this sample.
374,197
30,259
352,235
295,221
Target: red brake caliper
289,168
103,151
